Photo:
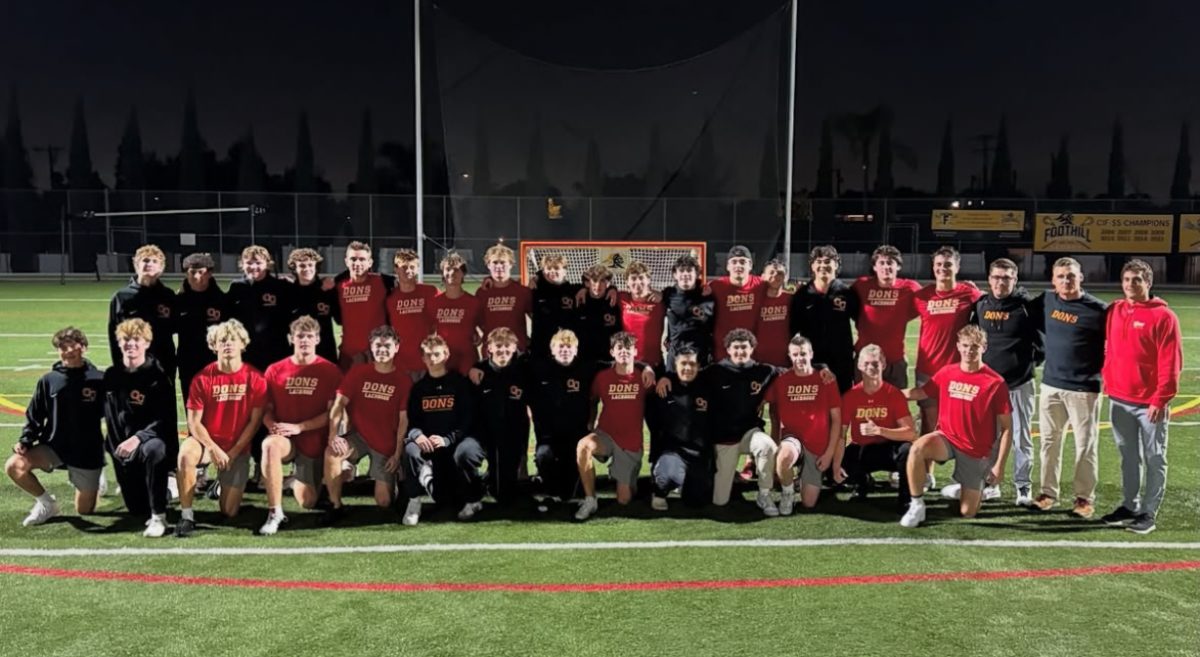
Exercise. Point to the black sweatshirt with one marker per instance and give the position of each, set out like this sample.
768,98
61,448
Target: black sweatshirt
737,394
156,305
561,399
65,413
442,406
321,305
689,320
598,321
266,309
140,402
504,399
826,320
553,309
194,313
1074,333
1014,342
684,425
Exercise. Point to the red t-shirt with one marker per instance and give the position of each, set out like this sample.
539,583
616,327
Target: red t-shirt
506,306
884,314
409,314
802,404
376,401
623,398
942,315
455,320
736,307
363,309
772,330
226,400
645,321
968,403
885,408
302,392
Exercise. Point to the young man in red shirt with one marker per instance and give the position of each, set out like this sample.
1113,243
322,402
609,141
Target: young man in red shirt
880,424
973,401
362,305
617,436
369,418
1141,376
643,315
944,307
773,327
300,392
224,410
409,308
455,315
806,417
739,296
885,309
504,303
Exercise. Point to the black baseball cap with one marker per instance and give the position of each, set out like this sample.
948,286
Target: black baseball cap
739,251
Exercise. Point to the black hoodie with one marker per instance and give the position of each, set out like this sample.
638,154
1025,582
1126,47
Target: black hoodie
1014,342
194,313
553,309
321,305
737,392
65,414
156,305
560,397
503,400
265,309
140,402
683,419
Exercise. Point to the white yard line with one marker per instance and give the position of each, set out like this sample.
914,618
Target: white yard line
613,545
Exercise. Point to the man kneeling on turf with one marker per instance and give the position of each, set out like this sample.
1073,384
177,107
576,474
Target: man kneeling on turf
300,391
224,410
62,430
376,396
881,427
143,439
684,424
618,432
972,402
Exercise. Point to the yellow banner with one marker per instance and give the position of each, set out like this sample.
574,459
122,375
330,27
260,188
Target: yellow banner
1012,221
1103,233
1189,233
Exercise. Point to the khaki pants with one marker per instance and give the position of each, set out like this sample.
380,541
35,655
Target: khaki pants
1056,409
753,442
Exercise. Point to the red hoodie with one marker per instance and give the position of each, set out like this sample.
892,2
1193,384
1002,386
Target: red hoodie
1143,352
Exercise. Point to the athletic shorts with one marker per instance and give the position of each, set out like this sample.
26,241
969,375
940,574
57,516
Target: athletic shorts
359,448
969,471
307,470
810,474
623,465
236,475
83,479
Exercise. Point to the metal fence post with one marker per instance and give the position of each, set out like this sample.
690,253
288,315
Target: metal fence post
144,236
108,237
220,227
370,218
664,221
296,218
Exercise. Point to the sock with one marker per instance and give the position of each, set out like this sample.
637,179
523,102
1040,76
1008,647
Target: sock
790,488
160,516
766,492
186,514
277,510
46,498
918,500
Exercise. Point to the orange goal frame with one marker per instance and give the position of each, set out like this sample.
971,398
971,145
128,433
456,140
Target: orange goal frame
701,249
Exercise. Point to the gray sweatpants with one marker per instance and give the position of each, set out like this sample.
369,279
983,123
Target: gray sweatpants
1138,439
1021,400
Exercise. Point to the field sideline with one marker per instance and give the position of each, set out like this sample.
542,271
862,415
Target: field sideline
843,580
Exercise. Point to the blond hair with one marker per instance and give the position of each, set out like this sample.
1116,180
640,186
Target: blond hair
454,261
636,268
972,333
225,330
552,260
564,336
303,324
261,253
405,255
134,328
499,252
149,251
300,255
433,342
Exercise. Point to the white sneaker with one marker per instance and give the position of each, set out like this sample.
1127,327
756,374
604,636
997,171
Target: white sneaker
412,512
894,480
469,510
658,503
930,482
915,514
156,526
767,504
952,492
1024,497
41,512
586,508
173,486
102,491
787,502
991,493
425,475
271,526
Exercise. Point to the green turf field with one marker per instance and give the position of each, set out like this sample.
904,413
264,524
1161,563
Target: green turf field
1075,613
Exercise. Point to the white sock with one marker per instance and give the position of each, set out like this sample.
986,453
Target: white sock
918,502
766,492
46,499
790,488
159,516
277,510
186,514
590,498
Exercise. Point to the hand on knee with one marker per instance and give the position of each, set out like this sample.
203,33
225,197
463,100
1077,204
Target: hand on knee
16,466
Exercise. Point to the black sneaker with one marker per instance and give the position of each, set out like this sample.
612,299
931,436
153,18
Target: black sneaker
333,515
185,528
1143,524
1119,518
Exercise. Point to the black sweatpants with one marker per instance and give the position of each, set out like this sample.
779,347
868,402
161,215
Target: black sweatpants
556,465
507,448
453,474
143,477
694,478
860,461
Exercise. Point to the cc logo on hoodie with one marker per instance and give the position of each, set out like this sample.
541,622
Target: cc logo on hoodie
136,397
213,314
268,300
89,394
701,404
755,387
839,303
164,311
323,309
572,385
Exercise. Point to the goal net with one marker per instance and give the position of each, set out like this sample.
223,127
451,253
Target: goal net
659,257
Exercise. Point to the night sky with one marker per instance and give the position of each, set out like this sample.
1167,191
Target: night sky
1052,67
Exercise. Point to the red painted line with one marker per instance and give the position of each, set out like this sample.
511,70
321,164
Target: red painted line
441,587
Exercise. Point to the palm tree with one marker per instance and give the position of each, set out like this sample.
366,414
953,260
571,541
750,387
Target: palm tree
861,130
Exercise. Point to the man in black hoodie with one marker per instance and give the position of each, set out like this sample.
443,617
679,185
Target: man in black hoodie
310,297
823,310
62,429
199,305
562,406
689,313
553,304
685,432
503,417
146,298
1014,349
139,409
262,303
